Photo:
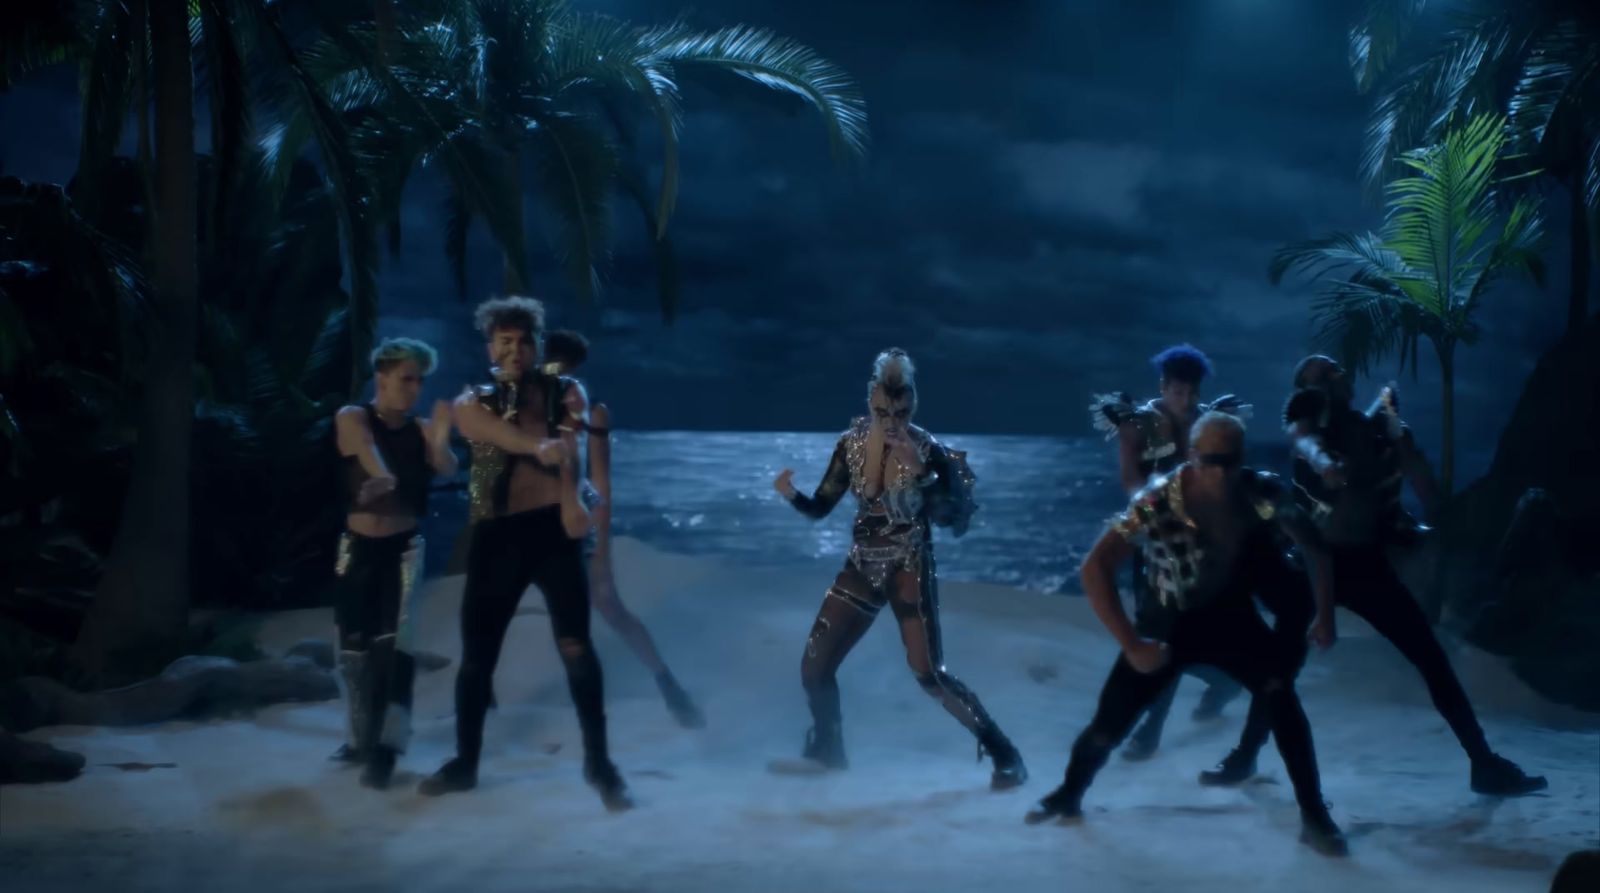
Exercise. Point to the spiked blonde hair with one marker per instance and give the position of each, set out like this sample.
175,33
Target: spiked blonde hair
391,352
894,372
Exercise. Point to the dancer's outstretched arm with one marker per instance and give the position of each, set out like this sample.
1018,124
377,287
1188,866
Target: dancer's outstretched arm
835,481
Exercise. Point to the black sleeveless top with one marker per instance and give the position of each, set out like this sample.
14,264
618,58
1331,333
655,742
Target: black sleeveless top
405,452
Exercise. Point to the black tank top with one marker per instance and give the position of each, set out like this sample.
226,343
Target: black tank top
405,452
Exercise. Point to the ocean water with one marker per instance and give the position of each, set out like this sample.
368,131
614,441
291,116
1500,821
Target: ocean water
1042,502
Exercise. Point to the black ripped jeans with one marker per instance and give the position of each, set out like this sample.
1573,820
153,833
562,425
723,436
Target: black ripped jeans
507,555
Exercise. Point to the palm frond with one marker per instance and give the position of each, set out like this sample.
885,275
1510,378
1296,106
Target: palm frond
329,354
1375,40
666,259
1458,80
1439,218
576,166
344,172
1515,250
225,80
34,35
1361,321
221,348
482,177
782,64
1360,254
105,80
1591,176
1559,63
600,52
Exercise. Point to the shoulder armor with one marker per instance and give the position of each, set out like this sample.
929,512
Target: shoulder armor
1109,412
1231,404
1306,405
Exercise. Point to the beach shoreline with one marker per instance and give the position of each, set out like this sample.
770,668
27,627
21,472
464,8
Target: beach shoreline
253,803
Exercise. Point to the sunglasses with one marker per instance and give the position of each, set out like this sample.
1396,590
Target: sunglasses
1220,460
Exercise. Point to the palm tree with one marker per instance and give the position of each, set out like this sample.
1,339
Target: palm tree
244,54
1536,61
1447,238
141,605
527,98
248,64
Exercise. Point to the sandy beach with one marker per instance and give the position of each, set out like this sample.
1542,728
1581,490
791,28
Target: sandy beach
252,803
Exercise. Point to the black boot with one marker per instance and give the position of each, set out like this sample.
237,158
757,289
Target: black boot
1009,772
348,755
603,776
1318,831
826,746
1057,805
679,703
456,775
379,768
1236,768
1499,777
1142,746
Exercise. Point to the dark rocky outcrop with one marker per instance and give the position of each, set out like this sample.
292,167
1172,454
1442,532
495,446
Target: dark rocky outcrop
190,687
1520,547
32,762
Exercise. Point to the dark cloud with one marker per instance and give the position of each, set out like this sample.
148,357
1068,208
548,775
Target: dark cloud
1055,191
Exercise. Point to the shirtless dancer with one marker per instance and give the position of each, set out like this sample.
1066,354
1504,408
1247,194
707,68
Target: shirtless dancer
528,525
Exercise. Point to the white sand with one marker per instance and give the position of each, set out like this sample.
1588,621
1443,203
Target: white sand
254,805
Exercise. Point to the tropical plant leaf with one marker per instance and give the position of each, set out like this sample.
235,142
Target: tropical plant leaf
666,260
610,56
1457,81
344,172
1376,39
575,167
105,81
225,79
782,64
34,35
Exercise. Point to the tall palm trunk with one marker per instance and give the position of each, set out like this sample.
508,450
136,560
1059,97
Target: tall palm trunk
1581,247
1447,403
140,613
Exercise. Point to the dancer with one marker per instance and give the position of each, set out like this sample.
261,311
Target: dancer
564,352
904,482
389,457
1208,532
1349,467
1152,438
528,522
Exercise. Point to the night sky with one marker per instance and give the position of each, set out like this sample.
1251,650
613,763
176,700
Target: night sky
1055,191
